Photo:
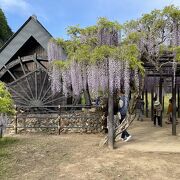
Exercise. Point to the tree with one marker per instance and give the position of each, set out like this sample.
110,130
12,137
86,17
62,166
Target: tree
157,34
95,60
5,30
6,107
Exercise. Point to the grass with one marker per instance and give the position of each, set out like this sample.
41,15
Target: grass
6,141
5,154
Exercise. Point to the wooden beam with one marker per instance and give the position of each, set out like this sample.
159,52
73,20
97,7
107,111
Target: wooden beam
38,63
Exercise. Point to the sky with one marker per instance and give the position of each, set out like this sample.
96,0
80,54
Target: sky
57,15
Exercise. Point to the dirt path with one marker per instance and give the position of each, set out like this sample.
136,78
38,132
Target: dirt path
152,154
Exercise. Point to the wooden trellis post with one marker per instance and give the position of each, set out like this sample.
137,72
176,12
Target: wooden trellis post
178,102
174,106
59,120
15,123
146,99
152,104
160,95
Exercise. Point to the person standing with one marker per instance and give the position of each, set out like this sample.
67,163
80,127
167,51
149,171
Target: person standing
157,113
169,112
123,108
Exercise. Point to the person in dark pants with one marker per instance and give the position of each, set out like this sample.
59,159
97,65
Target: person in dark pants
123,108
157,113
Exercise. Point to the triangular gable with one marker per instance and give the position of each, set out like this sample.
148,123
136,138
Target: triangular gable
32,27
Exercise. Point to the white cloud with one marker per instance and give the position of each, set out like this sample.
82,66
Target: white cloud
22,8
16,6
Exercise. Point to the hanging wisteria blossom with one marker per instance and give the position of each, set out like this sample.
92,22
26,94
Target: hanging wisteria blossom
126,78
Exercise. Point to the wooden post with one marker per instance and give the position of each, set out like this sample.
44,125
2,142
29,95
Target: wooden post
110,121
146,99
59,120
160,95
152,104
1,130
178,103
174,106
24,123
1,126
15,123
163,104
143,95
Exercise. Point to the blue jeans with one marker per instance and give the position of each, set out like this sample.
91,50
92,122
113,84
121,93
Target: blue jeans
124,133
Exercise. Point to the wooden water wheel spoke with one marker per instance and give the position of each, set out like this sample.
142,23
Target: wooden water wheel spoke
18,94
45,77
54,100
36,89
24,72
16,80
49,88
44,100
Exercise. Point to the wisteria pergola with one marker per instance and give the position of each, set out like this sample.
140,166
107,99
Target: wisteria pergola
156,82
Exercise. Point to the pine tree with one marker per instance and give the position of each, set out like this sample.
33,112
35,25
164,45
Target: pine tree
5,30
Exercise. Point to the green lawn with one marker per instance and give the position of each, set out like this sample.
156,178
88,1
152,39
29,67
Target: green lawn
5,154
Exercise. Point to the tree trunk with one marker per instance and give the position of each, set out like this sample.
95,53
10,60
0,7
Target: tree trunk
110,121
87,96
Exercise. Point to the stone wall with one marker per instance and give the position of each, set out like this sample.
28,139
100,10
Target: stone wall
82,121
